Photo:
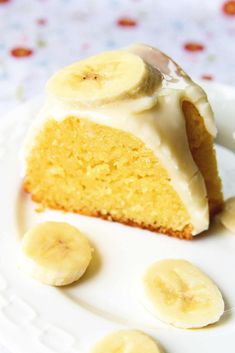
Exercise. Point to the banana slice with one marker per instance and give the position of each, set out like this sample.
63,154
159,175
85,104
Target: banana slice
178,293
126,342
103,78
55,253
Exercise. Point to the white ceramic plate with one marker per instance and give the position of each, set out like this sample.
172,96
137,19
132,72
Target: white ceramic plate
35,318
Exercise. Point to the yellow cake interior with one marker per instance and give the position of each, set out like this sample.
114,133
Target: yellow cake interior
80,166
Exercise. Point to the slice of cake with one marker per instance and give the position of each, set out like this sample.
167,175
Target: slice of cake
127,136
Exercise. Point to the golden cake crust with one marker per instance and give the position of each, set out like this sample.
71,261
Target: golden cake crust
185,233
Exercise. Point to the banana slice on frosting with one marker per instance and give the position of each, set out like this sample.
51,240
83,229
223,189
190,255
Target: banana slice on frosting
104,78
55,253
126,342
179,294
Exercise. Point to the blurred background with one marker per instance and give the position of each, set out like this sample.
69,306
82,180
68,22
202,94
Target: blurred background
39,36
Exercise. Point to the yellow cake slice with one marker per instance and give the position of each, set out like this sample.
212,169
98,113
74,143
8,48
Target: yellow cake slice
126,136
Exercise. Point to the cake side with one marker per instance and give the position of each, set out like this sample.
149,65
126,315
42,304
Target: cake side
201,144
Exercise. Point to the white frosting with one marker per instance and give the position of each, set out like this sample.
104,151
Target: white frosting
158,121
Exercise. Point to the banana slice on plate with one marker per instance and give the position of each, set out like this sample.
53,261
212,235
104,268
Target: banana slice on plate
55,253
126,342
179,294
104,78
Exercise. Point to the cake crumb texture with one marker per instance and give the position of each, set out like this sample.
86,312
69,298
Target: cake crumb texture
80,166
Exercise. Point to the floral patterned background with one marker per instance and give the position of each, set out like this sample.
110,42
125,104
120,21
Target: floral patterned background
39,36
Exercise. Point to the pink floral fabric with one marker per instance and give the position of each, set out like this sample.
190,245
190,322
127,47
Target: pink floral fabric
39,36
